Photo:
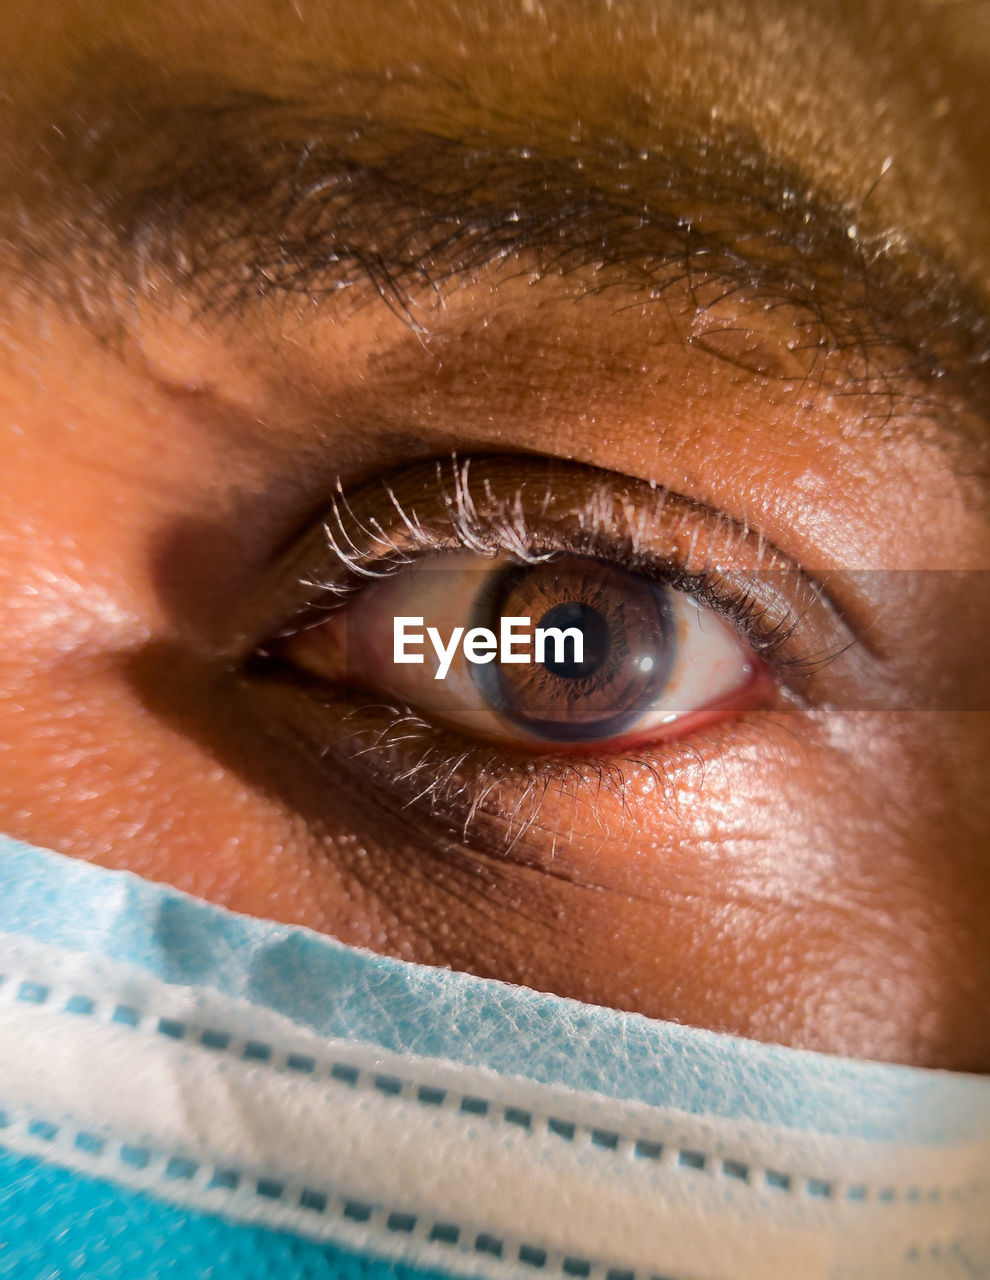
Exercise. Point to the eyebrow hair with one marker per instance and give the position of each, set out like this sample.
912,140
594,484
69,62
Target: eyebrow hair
229,198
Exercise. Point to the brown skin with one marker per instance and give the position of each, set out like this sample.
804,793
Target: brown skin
820,879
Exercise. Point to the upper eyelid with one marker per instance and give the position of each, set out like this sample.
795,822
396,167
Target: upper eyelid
557,494
339,532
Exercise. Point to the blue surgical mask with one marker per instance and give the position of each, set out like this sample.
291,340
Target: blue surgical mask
185,1092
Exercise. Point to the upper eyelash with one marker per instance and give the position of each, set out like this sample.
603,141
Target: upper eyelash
464,525
507,530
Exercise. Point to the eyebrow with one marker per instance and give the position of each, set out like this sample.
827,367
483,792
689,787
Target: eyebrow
231,198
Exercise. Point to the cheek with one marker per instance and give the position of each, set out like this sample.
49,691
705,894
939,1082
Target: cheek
811,886
820,888
818,885
746,899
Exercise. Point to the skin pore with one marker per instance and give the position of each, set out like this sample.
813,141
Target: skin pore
737,251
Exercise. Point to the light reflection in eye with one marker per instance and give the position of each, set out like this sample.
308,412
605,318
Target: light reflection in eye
656,663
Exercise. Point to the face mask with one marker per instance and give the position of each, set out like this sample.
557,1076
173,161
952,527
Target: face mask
185,1092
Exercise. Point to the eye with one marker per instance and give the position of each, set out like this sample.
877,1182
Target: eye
569,650
690,627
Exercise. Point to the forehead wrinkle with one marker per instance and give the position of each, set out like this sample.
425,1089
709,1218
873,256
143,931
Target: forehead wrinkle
230,198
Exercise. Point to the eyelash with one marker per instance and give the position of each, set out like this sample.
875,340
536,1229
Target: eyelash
511,532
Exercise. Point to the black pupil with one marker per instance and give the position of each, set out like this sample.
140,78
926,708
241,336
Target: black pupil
592,627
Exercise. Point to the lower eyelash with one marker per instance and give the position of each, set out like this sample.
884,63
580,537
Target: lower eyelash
440,769
453,782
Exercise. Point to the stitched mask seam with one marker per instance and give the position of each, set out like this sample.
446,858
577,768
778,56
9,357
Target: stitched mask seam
228,1181
604,1141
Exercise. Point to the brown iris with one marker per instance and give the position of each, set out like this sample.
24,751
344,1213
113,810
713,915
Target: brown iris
628,633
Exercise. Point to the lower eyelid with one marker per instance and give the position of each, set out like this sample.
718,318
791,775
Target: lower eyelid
486,795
